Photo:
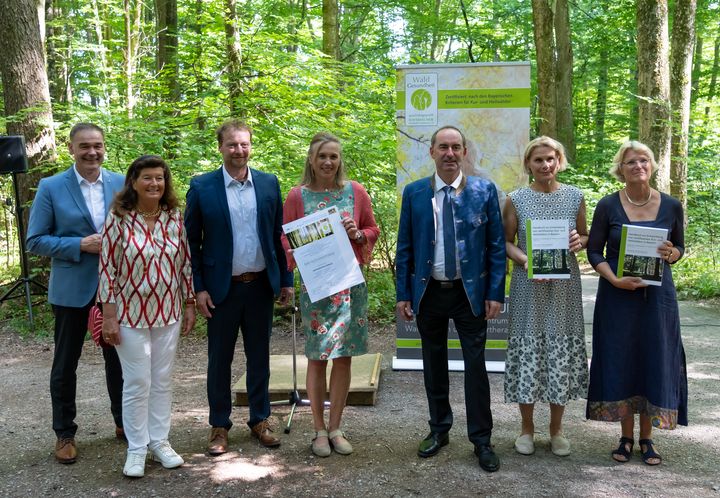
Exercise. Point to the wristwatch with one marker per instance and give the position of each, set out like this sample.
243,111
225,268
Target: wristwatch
190,301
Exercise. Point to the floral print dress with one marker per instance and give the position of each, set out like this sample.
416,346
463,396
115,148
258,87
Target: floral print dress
337,325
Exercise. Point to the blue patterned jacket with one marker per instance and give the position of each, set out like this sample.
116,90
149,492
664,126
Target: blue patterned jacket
480,242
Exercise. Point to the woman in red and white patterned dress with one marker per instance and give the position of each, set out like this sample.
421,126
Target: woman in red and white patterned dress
145,278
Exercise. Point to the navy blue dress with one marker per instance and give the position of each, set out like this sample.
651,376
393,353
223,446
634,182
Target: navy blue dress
638,360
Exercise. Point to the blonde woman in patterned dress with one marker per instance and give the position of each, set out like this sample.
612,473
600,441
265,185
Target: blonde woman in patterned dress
336,327
145,279
546,358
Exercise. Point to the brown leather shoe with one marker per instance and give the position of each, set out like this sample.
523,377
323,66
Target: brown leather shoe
120,434
65,450
263,432
218,441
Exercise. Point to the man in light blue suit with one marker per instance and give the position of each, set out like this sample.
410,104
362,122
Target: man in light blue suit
451,264
233,221
66,219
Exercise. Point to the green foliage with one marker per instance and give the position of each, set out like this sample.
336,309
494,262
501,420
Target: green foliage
381,296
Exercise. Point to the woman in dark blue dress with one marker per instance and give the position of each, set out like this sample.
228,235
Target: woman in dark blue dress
638,361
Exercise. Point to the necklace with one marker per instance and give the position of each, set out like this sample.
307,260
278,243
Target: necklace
146,214
638,204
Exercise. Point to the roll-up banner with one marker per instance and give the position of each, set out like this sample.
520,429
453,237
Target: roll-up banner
490,103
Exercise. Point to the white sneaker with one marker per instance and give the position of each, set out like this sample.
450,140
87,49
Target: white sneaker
164,454
135,464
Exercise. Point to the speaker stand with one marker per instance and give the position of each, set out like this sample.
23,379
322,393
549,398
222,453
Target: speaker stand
24,282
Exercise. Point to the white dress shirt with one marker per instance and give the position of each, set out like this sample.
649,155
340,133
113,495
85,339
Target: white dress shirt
438,271
242,203
94,198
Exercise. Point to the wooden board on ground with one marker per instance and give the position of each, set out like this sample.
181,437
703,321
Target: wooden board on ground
363,386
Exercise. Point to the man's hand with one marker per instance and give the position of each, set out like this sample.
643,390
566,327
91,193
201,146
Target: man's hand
405,310
90,244
286,294
492,309
204,303
189,319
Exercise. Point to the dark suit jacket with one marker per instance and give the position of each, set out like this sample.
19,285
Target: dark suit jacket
209,232
59,220
480,242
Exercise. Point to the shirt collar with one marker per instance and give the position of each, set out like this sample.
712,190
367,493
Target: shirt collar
229,180
439,183
80,178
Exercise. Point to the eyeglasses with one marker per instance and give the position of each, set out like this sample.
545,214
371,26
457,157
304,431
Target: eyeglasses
635,162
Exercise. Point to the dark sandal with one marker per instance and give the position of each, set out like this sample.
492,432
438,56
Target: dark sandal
649,452
623,451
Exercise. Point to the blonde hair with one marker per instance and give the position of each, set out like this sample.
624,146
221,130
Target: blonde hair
545,141
634,145
316,143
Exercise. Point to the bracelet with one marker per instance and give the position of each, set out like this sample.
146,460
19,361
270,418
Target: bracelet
359,236
190,301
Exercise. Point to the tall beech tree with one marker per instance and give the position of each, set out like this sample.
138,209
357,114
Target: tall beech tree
683,40
26,93
654,84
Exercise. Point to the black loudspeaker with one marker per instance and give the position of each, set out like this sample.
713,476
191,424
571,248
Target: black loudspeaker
13,158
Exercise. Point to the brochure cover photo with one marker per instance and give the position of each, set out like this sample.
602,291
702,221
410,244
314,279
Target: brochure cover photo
639,253
547,249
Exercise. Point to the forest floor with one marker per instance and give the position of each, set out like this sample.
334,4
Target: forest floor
385,436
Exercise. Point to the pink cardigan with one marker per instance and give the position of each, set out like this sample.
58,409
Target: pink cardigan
363,216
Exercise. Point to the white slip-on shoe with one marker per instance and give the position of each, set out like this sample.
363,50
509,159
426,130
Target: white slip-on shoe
559,445
135,464
167,456
524,444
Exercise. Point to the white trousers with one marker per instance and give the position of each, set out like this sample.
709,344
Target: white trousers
147,357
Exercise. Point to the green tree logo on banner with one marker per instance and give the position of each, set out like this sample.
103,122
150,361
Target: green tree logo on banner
421,99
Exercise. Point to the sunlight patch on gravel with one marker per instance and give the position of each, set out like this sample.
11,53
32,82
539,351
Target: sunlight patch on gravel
245,469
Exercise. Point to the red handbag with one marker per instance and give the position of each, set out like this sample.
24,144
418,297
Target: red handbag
95,322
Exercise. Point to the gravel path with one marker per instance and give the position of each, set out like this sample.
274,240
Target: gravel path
385,436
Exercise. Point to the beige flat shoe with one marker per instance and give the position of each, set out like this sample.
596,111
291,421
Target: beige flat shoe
321,449
339,443
524,444
559,445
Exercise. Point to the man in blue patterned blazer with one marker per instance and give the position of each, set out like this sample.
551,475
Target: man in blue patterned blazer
451,264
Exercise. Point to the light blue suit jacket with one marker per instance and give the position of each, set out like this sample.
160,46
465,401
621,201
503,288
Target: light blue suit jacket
59,219
480,242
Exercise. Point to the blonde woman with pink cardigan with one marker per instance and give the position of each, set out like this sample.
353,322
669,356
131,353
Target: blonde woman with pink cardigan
336,327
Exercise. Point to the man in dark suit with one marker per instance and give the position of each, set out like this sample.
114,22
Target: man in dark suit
233,220
66,219
451,264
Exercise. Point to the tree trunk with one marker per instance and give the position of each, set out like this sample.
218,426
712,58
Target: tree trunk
713,78
696,70
105,69
26,94
434,41
234,56
683,40
601,108
133,18
654,85
167,46
331,32
546,67
58,55
565,122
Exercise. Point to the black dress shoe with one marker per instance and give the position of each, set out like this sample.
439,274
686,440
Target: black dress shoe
489,461
432,444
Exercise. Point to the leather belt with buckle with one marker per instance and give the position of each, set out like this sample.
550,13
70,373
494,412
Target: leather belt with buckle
247,277
448,284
